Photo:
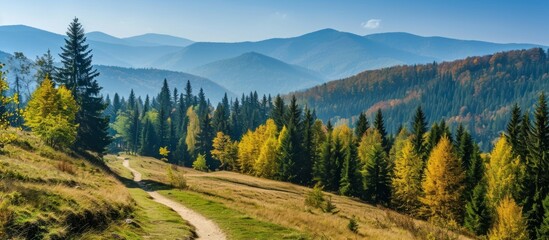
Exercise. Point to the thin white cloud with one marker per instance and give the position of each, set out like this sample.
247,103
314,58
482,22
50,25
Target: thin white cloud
280,15
371,24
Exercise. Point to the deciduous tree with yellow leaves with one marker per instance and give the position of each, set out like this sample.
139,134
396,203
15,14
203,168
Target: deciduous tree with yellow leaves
51,114
406,180
510,224
5,137
444,183
225,151
503,172
266,164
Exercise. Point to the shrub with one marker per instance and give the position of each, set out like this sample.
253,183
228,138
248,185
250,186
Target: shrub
353,225
315,198
200,163
175,179
330,207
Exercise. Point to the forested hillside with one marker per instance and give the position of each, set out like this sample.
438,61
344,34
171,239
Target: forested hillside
477,92
431,173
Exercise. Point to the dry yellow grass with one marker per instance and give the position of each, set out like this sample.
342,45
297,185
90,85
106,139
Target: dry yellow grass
283,203
40,199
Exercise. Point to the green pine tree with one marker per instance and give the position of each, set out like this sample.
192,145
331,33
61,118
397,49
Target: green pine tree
362,125
278,112
376,171
351,180
514,133
379,125
419,128
477,214
543,230
537,168
78,75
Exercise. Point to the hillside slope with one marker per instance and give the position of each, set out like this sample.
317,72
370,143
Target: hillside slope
477,91
47,194
267,209
256,72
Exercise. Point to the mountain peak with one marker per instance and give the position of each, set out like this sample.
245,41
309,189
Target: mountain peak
253,54
324,31
160,39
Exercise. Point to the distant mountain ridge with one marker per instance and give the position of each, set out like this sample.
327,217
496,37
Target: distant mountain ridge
441,48
149,81
477,92
332,53
328,54
256,72
107,50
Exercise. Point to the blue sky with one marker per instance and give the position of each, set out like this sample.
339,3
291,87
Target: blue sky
241,20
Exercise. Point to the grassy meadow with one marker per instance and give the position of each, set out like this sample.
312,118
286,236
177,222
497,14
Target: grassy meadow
247,207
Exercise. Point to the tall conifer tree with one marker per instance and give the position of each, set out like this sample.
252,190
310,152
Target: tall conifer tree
78,75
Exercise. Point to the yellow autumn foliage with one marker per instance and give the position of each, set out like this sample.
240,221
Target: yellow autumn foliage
510,224
406,180
51,113
444,183
225,150
503,172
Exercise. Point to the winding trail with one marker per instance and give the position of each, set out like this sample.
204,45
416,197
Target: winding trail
205,229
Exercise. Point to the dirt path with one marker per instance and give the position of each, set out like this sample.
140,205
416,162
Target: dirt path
205,228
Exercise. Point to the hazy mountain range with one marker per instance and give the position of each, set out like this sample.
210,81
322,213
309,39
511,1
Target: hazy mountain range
256,72
277,65
149,81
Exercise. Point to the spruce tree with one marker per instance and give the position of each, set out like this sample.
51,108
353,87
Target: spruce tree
377,181
514,133
149,143
204,142
538,165
278,112
543,230
188,94
308,148
132,101
477,213
164,110
362,125
419,128
234,121
78,75
336,163
351,180
294,157
285,156
146,106
323,165
379,125
220,120
203,107
134,130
